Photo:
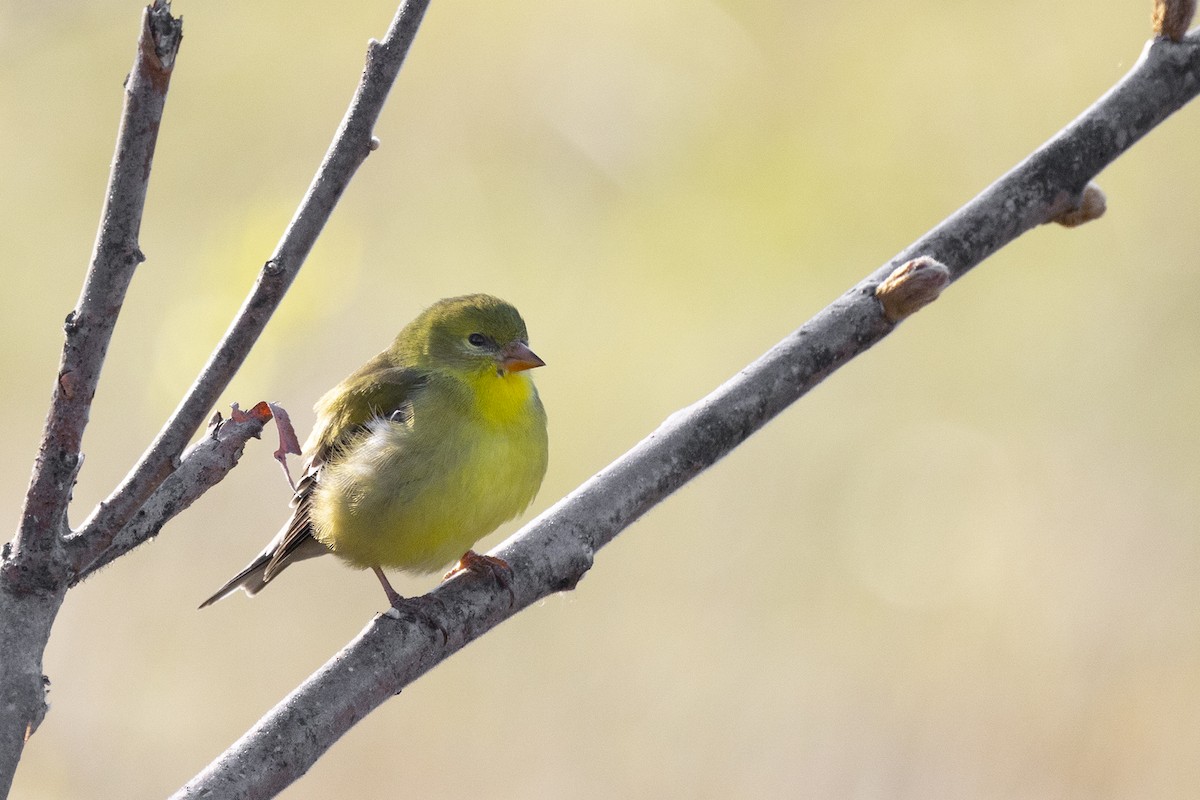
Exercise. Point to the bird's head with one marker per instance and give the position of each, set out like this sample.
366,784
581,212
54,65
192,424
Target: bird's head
474,333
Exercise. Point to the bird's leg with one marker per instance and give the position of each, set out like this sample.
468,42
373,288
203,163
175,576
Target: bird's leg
497,568
393,596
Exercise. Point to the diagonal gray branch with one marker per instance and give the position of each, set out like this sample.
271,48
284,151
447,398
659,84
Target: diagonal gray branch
554,551
351,145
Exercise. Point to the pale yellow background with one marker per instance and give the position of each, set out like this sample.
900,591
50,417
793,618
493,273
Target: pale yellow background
967,566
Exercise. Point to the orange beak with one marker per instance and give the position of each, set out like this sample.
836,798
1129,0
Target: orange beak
517,356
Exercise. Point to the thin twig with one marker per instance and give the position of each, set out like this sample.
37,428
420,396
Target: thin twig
351,145
89,327
554,551
202,467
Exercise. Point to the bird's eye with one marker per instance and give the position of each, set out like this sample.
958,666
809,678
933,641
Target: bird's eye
477,339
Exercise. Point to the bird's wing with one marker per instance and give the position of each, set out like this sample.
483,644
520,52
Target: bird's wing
376,390
343,414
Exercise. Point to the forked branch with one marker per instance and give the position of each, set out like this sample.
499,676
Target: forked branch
351,146
89,327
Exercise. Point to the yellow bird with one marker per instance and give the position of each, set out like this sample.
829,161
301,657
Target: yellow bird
422,451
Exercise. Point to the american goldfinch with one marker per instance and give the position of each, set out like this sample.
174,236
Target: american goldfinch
423,450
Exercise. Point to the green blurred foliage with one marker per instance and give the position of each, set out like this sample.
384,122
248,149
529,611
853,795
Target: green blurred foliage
965,567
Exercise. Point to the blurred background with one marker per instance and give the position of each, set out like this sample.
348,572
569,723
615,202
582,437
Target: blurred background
966,566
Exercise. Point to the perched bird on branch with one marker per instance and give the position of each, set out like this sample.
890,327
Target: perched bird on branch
422,451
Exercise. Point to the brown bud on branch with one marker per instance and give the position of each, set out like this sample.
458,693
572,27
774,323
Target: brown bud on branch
912,286
1092,205
1172,18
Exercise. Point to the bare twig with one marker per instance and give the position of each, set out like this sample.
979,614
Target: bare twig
554,551
351,145
90,325
202,467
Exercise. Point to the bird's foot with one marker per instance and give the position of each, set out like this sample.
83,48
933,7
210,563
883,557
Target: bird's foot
497,568
422,609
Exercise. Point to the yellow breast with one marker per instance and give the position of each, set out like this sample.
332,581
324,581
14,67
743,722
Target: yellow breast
502,399
416,496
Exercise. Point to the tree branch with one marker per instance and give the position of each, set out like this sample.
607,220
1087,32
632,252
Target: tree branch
45,558
350,147
554,551
89,327
33,571
202,467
